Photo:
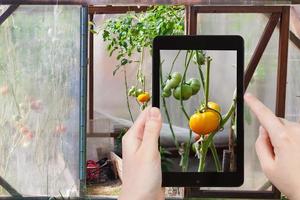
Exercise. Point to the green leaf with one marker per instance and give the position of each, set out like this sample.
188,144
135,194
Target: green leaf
116,69
91,23
124,61
93,31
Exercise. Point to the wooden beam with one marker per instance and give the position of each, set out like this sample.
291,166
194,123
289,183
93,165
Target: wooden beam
45,2
12,191
241,194
91,70
282,69
295,40
190,20
115,9
282,62
148,2
238,9
260,48
7,13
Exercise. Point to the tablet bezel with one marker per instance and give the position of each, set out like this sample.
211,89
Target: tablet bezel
207,42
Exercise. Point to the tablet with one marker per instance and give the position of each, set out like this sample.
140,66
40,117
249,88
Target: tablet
198,85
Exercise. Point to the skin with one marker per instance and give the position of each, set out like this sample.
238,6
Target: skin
277,147
141,158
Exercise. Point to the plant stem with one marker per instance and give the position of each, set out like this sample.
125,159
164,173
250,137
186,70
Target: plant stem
207,81
173,63
144,77
215,156
204,149
188,146
127,98
231,142
187,63
186,154
201,74
230,111
167,113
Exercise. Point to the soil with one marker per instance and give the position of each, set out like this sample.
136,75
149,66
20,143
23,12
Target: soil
109,188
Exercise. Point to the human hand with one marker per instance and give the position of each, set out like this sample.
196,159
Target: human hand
278,148
142,176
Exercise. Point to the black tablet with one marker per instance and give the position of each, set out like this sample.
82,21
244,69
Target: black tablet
198,85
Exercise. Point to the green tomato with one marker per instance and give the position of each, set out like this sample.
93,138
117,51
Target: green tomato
171,83
167,86
166,93
175,79
200,58
138,92
195,85
186,92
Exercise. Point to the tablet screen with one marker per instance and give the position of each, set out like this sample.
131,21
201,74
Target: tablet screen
198,107
198,85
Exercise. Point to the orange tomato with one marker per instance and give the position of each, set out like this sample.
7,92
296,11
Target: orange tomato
204,123
61,128
144,97
214,106
24,130
4,90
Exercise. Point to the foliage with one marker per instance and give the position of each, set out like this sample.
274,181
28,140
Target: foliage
133,32
130,34
118,140
166,163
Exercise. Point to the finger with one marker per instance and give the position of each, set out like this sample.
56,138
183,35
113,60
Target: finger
266,117
134,136
152,129
264,150
137,129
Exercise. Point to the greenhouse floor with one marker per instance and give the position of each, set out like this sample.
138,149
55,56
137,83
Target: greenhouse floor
109,188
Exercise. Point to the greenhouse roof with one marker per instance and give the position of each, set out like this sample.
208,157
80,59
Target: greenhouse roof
150,2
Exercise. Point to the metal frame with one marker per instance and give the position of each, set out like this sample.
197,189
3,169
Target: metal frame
83,96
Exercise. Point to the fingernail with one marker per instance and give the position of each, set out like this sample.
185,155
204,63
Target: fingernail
154,113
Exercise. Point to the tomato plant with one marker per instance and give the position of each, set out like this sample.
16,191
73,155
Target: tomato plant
132,34
207,119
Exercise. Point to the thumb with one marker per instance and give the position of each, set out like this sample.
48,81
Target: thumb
152,129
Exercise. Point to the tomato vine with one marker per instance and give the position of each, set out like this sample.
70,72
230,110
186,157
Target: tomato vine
133,33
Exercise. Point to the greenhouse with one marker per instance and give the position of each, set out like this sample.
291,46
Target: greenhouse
75,75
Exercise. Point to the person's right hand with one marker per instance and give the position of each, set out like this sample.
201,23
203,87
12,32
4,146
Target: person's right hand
278,149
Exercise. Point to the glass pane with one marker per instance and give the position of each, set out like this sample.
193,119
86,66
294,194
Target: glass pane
39,100
263,84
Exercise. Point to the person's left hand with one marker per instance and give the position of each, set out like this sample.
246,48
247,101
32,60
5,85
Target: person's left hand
142,175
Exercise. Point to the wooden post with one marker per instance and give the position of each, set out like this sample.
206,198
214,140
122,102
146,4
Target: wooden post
190,20
91,70
282,70
7,13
